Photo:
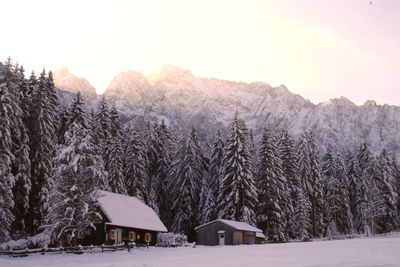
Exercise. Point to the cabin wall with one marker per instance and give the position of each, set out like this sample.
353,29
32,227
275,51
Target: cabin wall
249,237
140,235
208,235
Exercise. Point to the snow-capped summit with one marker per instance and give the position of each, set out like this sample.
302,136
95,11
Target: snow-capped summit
66,81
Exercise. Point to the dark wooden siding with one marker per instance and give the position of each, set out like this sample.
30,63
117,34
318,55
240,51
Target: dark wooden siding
208,235
99,235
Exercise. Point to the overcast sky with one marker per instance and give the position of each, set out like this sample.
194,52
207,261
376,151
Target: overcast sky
319,49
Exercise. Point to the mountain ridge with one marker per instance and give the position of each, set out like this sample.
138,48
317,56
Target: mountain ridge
184,100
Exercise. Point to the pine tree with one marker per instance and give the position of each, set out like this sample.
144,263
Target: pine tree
353,172
12,79
374,207
115,123
7,179
332,204
364,159
387,180
115,166
43,141
293,186
21,167
80,172
186,174
238,194
345,222
207,201
135,166
272,206
164,200
102,128
217,156
154,150
316,192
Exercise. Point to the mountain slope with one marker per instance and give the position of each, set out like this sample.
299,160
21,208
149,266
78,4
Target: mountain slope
184,100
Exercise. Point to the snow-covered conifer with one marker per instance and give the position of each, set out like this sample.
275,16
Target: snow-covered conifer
185,177
215,170
332,203
43,141
345,223
80,173
316,193
272,193
7,179
135,166
238,194
387,180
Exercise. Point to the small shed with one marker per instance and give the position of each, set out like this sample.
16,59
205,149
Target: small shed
123,218
226,232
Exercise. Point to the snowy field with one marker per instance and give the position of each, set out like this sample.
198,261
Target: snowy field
377,251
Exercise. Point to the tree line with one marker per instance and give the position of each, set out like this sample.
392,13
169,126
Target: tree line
53,158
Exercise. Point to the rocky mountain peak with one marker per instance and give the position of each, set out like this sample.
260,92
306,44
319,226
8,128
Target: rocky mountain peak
66,81
169,73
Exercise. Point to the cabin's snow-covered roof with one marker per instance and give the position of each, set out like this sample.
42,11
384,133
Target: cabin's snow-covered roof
241,226
129,211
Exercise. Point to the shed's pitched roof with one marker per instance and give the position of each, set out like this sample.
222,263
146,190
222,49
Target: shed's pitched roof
129,211
241,226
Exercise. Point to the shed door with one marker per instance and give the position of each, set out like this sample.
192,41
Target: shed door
221,239
237,238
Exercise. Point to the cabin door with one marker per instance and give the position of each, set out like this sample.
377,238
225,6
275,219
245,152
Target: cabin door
221,237
118,235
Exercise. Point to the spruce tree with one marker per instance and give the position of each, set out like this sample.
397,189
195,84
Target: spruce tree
345,222
305,185
135,166
80,172
14,82
115,166
215,172
167,146
238,194
375,206
272,206
207,201
7,179
153,150
186,174
331,190
316,192
353,172
389,221
43,141
288,155
101,128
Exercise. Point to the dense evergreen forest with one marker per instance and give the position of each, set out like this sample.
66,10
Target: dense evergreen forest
54,157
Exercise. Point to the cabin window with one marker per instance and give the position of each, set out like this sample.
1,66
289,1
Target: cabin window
132,236
111,234
147,237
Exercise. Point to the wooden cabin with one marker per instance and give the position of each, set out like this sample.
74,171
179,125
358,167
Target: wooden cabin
226,232
123,218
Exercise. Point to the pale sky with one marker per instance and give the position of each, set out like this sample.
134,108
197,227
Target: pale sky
319,49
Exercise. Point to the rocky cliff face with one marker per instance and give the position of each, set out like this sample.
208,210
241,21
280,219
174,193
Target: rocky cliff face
183,100
66,81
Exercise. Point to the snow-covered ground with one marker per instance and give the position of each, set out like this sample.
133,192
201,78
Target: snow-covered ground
377,251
